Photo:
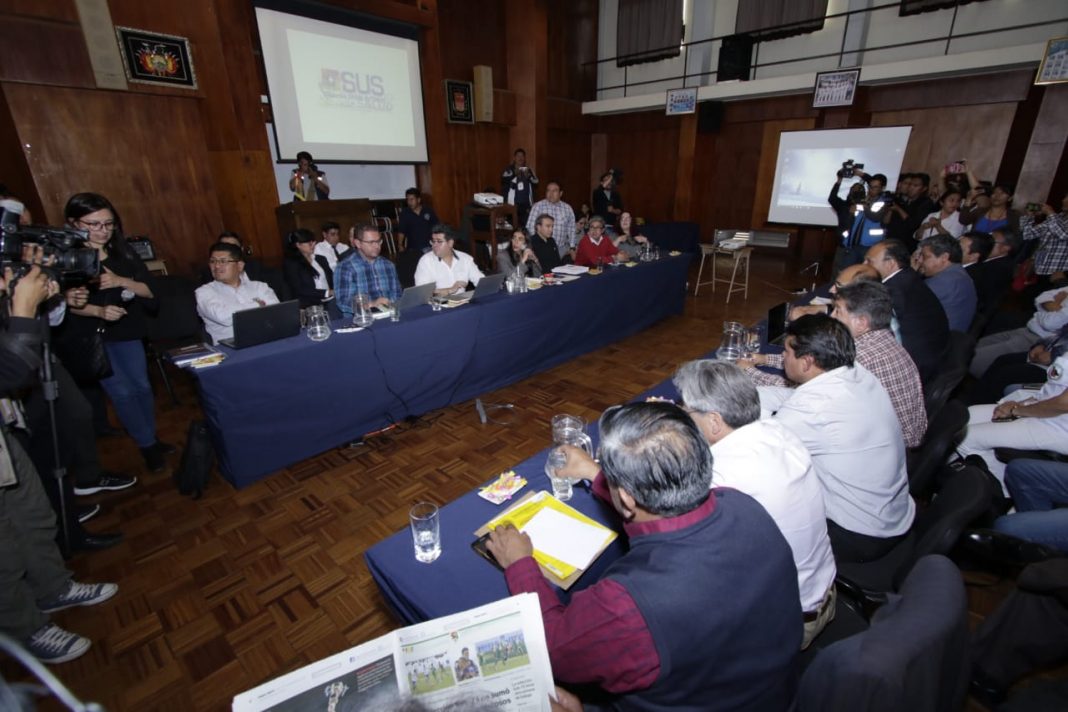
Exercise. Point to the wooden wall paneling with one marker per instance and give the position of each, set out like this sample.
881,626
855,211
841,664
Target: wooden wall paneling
526,34
63,10
46,51
472,32
939,136
647,159
572,42
1009,86
16,174
725,175
154,174
684,192
1045,149
567,165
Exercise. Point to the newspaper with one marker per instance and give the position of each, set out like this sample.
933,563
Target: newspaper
489,658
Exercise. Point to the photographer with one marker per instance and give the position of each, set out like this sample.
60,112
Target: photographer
307,181
865,214
517,186
33,579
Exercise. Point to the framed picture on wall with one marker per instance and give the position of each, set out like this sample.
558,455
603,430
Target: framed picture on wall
1054,66
459,107
837,88
152,58
681,101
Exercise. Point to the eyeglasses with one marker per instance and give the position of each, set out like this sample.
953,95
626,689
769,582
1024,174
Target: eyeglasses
372,242
95,226
215,261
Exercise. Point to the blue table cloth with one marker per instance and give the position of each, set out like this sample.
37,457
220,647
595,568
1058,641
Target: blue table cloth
460,578
273,405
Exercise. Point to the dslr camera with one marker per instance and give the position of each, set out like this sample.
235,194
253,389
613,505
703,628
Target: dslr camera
849,169
67,260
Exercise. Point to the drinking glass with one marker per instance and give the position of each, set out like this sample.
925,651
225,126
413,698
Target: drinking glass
435,303
425,521
562,488
394,311
318,325
754,340
361,311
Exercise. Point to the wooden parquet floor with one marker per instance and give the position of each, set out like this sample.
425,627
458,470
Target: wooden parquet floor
221,594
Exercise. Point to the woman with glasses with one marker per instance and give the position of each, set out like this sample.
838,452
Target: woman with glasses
308,275
119,300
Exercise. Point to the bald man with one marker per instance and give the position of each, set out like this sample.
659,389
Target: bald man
848,275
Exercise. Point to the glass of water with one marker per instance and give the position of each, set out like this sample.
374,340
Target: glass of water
425,519
754,340
562,488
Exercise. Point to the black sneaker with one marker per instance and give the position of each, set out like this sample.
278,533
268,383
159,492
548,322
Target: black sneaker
154,459
87,513
106,483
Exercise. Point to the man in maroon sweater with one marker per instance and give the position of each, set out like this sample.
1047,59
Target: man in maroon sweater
703,611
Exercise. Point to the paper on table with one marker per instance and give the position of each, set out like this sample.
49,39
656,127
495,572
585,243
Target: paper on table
570,540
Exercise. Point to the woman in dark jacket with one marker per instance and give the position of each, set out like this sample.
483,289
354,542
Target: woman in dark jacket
119,301
308,275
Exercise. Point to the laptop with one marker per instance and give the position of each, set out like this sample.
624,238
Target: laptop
485,287
777,323
411,297
262,324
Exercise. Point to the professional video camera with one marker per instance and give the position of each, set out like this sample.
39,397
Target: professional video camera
849,169
66,258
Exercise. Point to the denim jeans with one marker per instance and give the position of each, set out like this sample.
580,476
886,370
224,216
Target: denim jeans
129,390
1038,488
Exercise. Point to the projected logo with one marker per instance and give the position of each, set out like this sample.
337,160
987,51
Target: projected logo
354,90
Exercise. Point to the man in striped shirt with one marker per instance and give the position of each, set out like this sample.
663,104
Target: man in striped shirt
1051,257
563,218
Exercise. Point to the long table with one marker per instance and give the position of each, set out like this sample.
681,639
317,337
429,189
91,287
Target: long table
282,402
460,578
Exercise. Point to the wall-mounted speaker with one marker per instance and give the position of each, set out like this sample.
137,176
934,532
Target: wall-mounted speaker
483,92
735,58
709,116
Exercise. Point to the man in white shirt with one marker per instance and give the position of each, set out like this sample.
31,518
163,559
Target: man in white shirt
844,417
1051,315
763,459
449,269
563,218
331,247
230,291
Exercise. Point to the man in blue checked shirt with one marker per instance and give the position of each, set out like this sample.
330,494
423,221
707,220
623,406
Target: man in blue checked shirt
363,271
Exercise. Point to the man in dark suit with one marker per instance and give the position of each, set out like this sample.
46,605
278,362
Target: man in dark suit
921,318
995,272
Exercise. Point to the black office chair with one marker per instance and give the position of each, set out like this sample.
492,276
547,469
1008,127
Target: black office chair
941,388
944,432
1008,454
913,657
175,324
965,497
960,350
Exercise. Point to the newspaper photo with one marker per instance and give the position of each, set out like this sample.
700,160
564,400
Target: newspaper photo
489,658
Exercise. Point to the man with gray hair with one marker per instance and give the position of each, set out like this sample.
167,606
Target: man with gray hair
704,604
767,462
940,262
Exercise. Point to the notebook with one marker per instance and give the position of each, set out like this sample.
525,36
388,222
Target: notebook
263,324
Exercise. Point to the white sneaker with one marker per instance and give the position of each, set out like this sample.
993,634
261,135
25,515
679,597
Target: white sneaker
79,594
51,644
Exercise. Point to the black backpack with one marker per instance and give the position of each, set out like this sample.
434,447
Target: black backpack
198,459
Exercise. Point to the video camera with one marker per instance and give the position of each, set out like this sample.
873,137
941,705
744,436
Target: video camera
66,258
849,169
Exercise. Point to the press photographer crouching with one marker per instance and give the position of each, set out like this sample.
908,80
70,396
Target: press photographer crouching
33,578
860,215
